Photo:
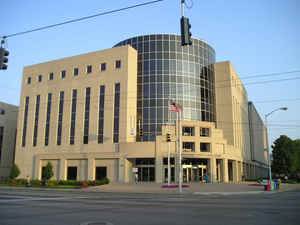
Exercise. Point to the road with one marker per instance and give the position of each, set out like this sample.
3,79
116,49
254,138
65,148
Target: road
65,207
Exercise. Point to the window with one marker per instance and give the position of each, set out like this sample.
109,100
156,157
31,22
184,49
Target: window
73,117
116,113
72,173
188,131
87,115
36,120
188,146
29,80
101,172
1,140
204,131
40,78
2,111
75,71
103,66
51,75
63,74
204,147
47,127
101,114
25,121
60,117
118,64
89,69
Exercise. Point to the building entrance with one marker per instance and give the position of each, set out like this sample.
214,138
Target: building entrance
146,169
191,173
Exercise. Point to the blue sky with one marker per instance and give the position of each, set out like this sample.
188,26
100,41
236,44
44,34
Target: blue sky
258,37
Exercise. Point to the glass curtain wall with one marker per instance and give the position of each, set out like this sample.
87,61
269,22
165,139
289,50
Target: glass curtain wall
166,70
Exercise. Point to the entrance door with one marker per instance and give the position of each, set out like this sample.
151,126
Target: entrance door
146,174
72,173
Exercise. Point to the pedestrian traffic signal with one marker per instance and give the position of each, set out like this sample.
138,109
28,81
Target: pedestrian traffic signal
3,58
141,132
186,35
168,137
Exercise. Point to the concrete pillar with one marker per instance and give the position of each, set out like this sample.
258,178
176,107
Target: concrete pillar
62,169
212,170
235,170
121,170
159,169
225,170
91,168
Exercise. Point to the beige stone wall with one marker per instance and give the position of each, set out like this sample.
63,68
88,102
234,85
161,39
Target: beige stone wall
9,122
232,108
126,76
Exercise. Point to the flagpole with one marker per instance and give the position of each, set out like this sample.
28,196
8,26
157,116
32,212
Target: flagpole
179,149
169,146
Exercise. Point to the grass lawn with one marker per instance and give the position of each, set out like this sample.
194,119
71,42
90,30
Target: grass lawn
40,186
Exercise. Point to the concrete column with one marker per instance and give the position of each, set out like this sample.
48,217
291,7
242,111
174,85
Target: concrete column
212,169
37,169
235,170
62,169
158,169
91,168
225,170
122,170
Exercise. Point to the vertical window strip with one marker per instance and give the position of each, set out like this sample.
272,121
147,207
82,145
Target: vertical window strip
36,120
73,117
101,114
1,140
25,121
47,128
60,117
87,116
116,113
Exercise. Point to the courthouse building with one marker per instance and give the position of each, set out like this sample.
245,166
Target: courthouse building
106,114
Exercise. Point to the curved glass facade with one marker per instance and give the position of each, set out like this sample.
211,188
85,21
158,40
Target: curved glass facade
167,70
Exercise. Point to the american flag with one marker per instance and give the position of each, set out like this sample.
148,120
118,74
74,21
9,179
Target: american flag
175,107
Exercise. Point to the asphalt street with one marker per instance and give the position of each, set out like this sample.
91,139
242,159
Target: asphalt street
66,207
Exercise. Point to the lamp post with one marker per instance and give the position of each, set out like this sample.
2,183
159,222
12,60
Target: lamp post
269,156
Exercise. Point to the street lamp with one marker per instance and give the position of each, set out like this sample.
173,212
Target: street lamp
269,157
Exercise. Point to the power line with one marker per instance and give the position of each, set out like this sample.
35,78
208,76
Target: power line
80,19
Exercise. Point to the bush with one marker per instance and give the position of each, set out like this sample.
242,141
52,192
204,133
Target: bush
69,182
35,183
105,180
14,172
48,171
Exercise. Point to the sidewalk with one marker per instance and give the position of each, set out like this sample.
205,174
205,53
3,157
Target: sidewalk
194,188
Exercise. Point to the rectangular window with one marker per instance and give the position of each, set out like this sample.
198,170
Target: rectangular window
204,132
51,75
63,74
204,147
118,64
72,173
188,146
40,78
60,117
2,112
89,69
101,114
101,172
73,117
29,80
25,121
103,66
87,116
36,120
75,71
116,113
1,140
48,116
188,131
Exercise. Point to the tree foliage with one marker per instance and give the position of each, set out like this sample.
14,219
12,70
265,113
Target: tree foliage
286,155
14,172
48,171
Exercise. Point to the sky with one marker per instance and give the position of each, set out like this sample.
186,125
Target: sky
259,37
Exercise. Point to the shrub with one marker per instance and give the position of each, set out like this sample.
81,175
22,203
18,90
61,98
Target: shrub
14,172
105,180
48,171
35,183
69,182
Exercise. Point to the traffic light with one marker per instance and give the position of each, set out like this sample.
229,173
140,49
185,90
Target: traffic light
186,35
3,59
168,137
141,132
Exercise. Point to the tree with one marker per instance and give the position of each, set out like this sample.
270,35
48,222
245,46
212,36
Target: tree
295,168
284,155
47,173
14,172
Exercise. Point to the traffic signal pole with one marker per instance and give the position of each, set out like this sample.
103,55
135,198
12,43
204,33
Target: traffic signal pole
169,147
